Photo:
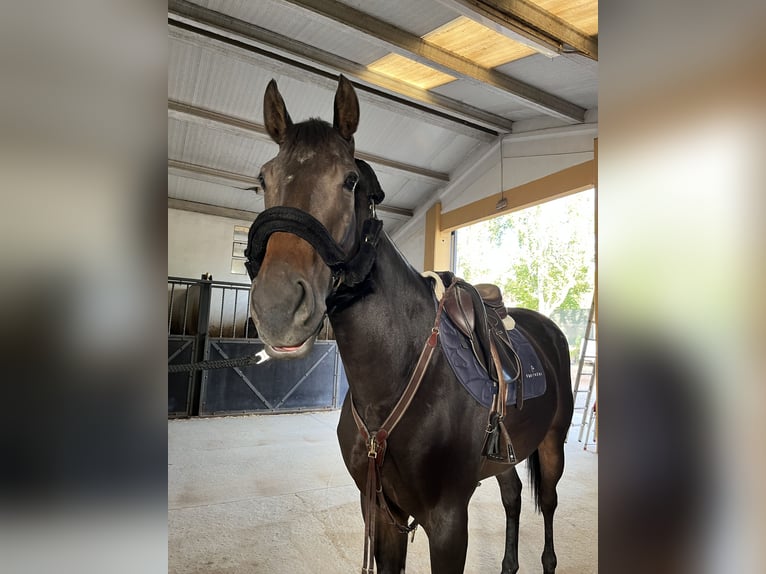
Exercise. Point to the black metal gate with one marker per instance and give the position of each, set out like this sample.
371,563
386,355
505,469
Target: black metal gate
181,350
209,320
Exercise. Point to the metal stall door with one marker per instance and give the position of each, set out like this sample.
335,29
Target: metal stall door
181,350
183,342
315,382
210,320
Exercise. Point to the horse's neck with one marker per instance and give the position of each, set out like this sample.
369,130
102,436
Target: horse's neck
381,336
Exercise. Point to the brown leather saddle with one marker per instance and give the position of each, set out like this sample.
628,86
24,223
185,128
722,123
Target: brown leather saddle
478,312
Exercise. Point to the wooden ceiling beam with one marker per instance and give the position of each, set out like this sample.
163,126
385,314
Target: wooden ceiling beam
410,45
528,23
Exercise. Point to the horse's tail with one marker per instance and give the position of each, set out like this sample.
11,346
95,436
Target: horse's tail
533,466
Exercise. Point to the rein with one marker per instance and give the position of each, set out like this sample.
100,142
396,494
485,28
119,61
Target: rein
377,441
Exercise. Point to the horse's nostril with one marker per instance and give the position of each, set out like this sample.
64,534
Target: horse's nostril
304,309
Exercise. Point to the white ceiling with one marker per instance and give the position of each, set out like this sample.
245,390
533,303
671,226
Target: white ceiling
222,54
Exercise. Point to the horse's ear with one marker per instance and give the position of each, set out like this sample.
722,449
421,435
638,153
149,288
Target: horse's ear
346,117
275,115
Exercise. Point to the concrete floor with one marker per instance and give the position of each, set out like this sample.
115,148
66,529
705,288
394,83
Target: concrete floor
270,494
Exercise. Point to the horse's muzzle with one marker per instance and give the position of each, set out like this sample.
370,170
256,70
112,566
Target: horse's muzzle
287,305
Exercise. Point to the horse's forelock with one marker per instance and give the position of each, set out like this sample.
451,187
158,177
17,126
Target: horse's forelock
313,134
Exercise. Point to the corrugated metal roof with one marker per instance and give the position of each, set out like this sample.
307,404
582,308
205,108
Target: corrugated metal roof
297,24
219,149
484,98
418,18
200,191
218,77
573,78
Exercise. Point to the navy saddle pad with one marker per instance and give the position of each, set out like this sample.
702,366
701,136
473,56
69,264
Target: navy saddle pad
469,373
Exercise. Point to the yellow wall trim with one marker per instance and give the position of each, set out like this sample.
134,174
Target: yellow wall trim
437,248
565,182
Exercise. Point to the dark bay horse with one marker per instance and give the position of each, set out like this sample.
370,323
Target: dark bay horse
318,252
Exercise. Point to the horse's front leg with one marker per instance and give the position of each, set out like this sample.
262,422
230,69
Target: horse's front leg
390,547
447,532
390,544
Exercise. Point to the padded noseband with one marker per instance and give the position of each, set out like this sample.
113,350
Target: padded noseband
349,270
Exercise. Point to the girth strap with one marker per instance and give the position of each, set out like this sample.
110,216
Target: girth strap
499,447
377,441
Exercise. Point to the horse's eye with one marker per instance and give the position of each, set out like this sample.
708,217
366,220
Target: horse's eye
261,183
351,180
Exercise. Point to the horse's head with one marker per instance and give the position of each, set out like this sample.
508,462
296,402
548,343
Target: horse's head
319,228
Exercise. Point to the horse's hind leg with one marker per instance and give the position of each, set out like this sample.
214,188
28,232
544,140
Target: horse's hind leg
510,491
546,468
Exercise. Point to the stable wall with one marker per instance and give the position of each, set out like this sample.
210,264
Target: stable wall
199,243
412,247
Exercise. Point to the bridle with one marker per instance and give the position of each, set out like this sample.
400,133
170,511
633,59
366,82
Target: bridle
348,269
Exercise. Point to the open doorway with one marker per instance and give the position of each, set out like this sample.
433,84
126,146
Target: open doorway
541,257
